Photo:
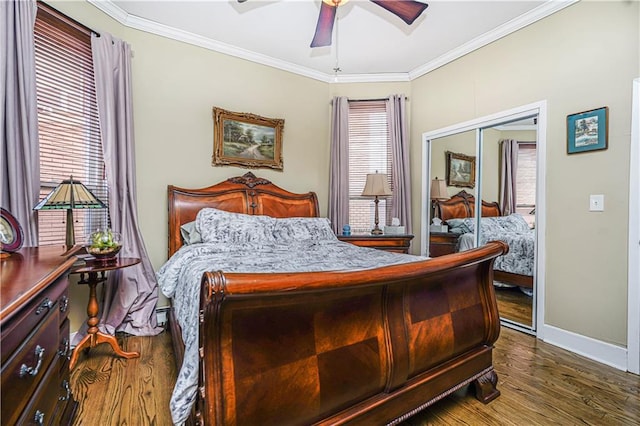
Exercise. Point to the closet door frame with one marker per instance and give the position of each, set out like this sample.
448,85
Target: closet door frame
537,108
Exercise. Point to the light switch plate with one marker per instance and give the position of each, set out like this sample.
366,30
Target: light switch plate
596,203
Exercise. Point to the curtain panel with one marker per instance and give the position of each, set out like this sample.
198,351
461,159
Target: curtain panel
338,212
399,139
131,294
19,150
508,169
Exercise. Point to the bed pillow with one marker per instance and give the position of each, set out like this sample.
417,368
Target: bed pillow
515,223
460,226
190,234
298,229
221,227
512,223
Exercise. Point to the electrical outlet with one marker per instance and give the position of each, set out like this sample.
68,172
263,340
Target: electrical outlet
596,203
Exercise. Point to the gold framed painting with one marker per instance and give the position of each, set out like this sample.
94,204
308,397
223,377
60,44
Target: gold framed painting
247,140
461,170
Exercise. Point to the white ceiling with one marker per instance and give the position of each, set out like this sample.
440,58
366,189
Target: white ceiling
369,43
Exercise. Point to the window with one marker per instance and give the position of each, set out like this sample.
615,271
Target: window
526,178
369,151
67,121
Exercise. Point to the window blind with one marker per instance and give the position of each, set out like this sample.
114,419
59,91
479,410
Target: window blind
369,151
68,123
526,175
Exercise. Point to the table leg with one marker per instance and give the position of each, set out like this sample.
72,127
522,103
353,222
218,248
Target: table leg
94,336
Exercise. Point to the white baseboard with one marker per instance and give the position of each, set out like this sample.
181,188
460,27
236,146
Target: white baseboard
605,353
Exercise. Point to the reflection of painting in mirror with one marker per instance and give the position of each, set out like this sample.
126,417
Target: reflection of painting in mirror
461,170
516,307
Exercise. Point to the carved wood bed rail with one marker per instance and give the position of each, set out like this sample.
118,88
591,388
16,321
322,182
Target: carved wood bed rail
355,347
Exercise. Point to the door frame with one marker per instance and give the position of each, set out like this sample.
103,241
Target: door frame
633,259
539,108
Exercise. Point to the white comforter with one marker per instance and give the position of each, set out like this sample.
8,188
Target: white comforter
180,277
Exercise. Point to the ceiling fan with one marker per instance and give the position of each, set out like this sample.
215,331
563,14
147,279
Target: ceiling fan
407,10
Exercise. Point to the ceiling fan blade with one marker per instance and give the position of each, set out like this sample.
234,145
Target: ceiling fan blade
324,27
407,10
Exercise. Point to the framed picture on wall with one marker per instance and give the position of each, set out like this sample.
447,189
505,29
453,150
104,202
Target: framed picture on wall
588,130
247,140
461,170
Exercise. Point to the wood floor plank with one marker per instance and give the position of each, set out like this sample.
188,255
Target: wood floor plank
117,391
540,384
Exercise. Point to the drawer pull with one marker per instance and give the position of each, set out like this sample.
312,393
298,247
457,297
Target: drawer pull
45,305
64,304
65,348
32,371
39,417
65,386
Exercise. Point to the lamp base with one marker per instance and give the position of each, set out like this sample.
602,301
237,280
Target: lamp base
376,231
70,239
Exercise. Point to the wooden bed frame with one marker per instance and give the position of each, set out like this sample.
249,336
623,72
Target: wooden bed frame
359,347
463,205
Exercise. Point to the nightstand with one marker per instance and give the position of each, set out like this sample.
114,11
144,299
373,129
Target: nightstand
95,274
399,243
441,243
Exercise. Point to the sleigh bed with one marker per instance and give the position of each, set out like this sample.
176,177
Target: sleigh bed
354,346
516,267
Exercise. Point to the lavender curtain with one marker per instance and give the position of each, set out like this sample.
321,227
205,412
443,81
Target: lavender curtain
509,166
19,147
339,167
399,136
131,294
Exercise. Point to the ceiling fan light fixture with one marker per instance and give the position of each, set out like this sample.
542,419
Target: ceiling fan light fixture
335,3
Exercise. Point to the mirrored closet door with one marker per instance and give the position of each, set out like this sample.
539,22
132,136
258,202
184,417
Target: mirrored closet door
470,173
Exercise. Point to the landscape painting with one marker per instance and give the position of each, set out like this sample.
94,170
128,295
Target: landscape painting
588,130
247,140
461,170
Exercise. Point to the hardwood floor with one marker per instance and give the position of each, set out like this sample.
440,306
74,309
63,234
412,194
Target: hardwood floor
540,385
117,391
514,305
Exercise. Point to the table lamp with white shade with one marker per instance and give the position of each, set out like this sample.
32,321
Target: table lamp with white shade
376,186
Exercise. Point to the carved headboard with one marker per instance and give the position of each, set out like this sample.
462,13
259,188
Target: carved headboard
463,205
246,194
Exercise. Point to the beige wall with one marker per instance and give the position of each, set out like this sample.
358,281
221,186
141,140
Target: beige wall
175,86
461,143
556,59
575,70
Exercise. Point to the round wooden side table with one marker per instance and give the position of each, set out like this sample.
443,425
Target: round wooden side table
93,273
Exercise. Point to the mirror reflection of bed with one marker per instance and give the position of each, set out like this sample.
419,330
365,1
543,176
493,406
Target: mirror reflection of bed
482,139
513,272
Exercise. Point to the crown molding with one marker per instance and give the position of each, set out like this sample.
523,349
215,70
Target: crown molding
153,27
497,33
131,21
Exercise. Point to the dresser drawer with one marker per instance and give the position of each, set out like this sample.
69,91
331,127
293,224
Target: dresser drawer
47,404
64,350
24,370
52,299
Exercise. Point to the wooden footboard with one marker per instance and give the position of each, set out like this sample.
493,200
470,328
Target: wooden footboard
358,347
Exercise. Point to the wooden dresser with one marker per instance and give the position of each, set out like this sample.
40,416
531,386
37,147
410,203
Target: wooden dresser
389,242
35,337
